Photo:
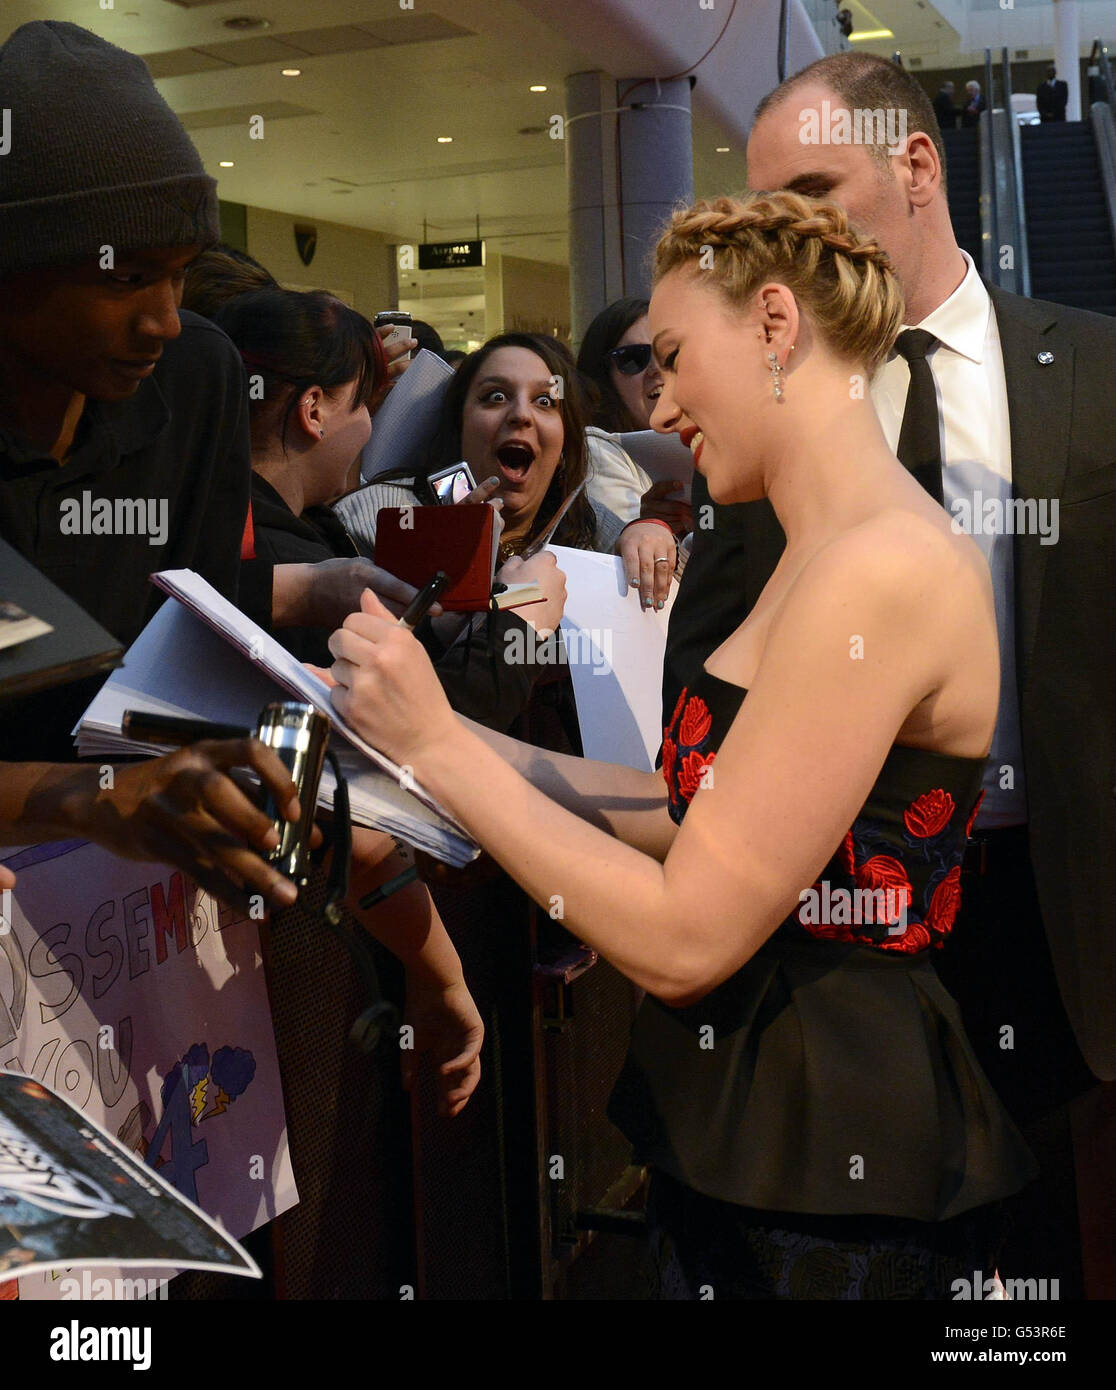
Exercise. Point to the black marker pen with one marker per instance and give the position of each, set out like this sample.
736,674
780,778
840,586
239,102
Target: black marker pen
424,600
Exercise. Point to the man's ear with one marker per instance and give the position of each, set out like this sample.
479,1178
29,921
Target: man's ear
924,168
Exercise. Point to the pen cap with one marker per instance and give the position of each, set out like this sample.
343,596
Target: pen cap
299,734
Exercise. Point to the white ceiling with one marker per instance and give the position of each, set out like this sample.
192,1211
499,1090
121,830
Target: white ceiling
368,156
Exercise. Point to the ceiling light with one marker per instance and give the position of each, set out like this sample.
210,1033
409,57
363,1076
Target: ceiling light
871,34
246,22
538,87
722,149
292,72
445,139
226,164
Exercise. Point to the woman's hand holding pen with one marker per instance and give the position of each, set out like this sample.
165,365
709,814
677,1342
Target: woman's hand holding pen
385,685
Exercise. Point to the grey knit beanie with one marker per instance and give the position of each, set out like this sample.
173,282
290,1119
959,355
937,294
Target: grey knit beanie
90,154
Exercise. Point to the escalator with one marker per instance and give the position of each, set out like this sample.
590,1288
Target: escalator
1073,258
963,187
1035,206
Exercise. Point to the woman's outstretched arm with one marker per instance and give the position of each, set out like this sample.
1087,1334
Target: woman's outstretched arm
788,780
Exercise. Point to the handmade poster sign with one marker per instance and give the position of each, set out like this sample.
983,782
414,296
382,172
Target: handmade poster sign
137,997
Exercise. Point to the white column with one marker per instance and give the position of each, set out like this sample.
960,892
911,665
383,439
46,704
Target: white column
1066,58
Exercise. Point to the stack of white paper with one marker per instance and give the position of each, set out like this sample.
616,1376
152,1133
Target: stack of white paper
615,650
202,658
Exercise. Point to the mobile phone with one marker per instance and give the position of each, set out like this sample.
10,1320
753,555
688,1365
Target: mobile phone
401,328
452,484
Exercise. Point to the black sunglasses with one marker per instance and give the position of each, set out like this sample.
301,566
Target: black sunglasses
631,359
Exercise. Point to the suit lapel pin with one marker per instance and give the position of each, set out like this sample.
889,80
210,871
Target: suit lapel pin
1044,359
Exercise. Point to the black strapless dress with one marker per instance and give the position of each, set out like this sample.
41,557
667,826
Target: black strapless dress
831,1075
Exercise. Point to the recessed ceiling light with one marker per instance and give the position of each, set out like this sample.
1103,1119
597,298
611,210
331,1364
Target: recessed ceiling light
292,72
226,164
445,139
538,87
245,22
722,149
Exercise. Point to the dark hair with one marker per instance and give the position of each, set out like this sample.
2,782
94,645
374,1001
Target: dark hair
220,274
609,411
428,337
866,82
579,525
292,340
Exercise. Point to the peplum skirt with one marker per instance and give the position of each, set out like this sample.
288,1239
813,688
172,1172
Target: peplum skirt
821,1078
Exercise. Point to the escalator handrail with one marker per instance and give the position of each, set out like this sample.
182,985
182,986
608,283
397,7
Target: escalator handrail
1104,133
1106,75
1015,157
989,203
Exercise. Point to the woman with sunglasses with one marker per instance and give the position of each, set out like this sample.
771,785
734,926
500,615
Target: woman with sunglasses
617,360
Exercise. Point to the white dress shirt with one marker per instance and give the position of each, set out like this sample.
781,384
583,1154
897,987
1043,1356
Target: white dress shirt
968,371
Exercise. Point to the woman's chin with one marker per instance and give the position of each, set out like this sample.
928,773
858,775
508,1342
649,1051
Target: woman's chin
726,491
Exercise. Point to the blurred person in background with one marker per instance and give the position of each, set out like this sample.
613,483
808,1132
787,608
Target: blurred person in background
615,356
974,105
944,108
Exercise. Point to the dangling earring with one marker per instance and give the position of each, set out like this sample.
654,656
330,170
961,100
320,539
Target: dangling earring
776,375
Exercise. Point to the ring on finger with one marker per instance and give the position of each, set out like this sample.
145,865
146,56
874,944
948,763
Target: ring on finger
661,560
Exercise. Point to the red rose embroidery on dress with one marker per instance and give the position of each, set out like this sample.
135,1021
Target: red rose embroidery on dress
696,723
845,853
972,818
945,903
677,711
669,755
915,938
930,814
689,773
884,872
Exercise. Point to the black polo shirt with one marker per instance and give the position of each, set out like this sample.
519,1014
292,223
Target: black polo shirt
159,481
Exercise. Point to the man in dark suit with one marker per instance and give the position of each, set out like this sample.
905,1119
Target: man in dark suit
1022,388
974,105
944,108
1052,96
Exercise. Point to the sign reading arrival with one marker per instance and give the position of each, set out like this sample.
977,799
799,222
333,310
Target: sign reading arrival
450,255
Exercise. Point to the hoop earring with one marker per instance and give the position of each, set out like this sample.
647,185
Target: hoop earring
776,376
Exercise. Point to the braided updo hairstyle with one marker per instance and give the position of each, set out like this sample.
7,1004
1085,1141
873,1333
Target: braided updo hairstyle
841,278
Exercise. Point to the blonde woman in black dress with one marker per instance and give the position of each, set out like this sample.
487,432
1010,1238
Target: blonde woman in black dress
798,1078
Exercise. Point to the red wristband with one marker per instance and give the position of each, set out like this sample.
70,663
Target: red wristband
655,521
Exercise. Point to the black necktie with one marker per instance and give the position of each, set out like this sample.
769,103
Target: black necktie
920,441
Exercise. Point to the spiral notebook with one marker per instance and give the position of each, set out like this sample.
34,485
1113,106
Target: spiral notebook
202,658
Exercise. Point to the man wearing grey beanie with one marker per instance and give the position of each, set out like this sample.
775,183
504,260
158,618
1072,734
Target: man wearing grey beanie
124,444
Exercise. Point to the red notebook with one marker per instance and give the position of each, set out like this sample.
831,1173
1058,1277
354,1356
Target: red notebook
413,543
